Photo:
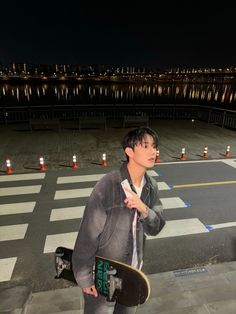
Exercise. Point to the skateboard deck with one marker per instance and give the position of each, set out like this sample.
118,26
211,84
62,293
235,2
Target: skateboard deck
114,280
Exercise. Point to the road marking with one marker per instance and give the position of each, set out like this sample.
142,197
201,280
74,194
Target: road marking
61,239
67,213
7,266
175,228
189,162
19,190
91,177
21,177
13,232
76,193
77,179
153,173
162,186
180,186
222,225
230,162
17,208
173,202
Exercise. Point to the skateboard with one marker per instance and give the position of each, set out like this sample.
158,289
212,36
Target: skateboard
116,281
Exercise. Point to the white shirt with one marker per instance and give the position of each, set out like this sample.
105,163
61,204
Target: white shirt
134,225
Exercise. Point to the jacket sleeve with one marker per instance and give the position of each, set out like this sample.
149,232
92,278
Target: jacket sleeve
83,258
154,222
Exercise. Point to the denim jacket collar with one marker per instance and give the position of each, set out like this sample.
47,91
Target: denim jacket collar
125,175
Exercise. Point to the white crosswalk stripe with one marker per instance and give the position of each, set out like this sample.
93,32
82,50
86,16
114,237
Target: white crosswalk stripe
67,213
17,208
230,162
22,177
152,173
13,232
91,177
172,202
175,228
222,225
78,179
61,239
20,190
7,266
162,186
74,193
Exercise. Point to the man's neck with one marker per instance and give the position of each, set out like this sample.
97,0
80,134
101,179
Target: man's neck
136,173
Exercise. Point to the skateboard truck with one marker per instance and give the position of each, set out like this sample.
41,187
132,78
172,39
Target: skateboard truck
61,265
113,284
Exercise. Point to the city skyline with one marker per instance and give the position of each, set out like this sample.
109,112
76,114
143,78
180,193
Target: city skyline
170,35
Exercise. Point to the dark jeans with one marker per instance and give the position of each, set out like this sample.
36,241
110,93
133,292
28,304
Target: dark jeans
99,305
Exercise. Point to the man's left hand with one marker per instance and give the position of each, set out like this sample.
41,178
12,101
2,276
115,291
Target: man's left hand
134,201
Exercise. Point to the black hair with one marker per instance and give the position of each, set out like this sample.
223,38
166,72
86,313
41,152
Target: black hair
136,136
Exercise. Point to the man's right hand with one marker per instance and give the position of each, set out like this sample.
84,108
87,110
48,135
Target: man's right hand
91,290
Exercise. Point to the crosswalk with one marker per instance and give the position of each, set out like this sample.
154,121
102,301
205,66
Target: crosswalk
181,227
10,232
67,200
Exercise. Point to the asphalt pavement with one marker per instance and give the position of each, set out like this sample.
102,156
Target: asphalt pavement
24,147
201,289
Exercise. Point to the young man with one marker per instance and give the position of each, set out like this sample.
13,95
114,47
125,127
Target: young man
113,225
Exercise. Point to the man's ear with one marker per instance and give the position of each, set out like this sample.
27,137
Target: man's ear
129,151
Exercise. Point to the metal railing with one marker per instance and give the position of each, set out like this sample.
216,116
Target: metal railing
20,114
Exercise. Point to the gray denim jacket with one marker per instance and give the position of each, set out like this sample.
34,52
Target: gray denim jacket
106,227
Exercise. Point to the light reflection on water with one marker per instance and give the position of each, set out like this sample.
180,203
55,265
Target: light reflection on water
115,93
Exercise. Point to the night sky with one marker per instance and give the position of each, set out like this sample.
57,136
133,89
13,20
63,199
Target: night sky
158,34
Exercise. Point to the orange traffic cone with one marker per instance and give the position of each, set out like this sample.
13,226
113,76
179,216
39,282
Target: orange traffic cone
9,169
74,164
41,164
157,156
104,160
227,153
205,152
183,156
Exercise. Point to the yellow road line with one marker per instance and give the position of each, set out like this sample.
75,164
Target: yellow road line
179,186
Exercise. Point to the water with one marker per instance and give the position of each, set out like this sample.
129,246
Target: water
218,95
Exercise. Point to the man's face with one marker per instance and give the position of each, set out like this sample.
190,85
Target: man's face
144,153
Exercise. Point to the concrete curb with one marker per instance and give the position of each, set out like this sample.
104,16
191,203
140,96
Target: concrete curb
14,300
